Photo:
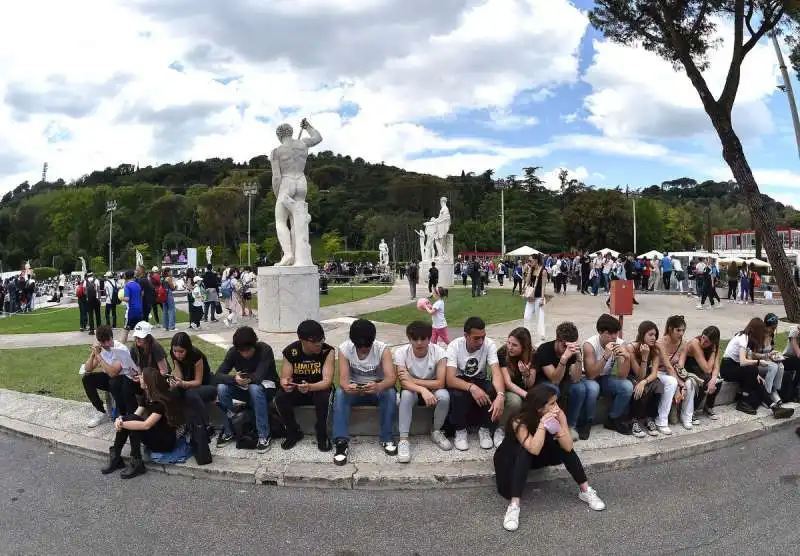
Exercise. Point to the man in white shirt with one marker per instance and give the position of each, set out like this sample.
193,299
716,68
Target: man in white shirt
62,282
110,368
366,377
421,367
468,360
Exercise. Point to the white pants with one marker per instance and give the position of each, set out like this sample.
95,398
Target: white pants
670,387
687,407
532,308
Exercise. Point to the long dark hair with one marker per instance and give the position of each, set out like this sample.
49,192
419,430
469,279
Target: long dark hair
712,333
144,355
755,332
523,336
158,391
644,328
528,415
182,340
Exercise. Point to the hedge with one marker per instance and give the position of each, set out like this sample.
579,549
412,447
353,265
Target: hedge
45,272
356,256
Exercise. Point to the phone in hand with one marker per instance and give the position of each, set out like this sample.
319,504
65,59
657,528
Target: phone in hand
552,425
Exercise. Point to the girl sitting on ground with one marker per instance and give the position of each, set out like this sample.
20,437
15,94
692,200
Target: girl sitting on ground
701,358
157,431
537,437
644,364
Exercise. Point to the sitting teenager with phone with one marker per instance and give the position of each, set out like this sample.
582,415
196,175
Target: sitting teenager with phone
600,353
192,379
157,431
110,368
537,437
145,351
254,381
421,367
469,359
306,379
366,377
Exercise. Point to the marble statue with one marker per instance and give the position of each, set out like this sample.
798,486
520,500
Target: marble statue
435,243
83,266
208,254
139,259
288,162
441,230
383,253
430,232
421,234
28,267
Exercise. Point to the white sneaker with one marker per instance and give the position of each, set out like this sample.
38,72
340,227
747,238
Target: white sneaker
511,520
98,419
665,430
699,307
574,434
82,370
499,436
485,438
441,440
591,498
687,425
461,440
404,451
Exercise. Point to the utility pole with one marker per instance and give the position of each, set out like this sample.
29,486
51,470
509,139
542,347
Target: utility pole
111,206
787,88
634,226
502,223
250,190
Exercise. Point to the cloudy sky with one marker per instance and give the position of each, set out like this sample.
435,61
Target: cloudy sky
436,87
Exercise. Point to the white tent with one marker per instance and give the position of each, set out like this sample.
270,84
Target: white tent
650,255
524,251
606,251
729,260
757,262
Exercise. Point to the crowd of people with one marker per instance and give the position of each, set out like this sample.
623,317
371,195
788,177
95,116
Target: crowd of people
531,404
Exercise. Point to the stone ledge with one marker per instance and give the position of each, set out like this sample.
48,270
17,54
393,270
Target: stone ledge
445,474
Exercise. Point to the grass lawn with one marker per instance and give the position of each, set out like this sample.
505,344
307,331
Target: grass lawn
346,294
497,306
61,320
54,371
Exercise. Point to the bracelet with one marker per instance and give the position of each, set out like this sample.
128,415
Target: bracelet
503,394
470,388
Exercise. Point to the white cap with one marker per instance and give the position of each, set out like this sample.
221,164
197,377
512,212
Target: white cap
155,269
109,274
197,279
142,330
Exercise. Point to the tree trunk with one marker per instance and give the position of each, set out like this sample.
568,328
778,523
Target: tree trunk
733,153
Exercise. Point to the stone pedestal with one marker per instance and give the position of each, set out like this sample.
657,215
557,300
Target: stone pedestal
445,274
287,295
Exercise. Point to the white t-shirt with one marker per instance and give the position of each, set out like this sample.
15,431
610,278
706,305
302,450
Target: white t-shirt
364,370
676,265
121,353
737,343
793,333
438,316
420,367
594,341
471,366
62,281
700,267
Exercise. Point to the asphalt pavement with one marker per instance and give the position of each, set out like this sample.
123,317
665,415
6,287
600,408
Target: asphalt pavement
738,500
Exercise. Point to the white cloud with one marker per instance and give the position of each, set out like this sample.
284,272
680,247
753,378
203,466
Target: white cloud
572,117
552,181
765,177
392,64
505,119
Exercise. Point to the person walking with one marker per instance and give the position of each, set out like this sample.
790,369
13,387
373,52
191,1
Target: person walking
413,278
433,277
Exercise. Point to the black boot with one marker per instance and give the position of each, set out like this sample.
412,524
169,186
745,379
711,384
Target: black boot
135,468
114,462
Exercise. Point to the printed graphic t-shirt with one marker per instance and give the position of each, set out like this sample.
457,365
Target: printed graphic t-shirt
471,366
306,367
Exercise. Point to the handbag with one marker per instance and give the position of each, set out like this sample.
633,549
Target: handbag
218,308
530,289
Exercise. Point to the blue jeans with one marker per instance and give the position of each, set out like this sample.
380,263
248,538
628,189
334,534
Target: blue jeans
169,312
621,390
606,282
595,284
582,402
256,396
342,402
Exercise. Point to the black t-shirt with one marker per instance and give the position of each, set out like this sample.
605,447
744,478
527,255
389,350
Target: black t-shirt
546,355
433,273
162,427
156,354
188,363
502,360
306,367
148,291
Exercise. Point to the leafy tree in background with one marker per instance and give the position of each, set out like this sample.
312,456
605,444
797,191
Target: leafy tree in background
683,32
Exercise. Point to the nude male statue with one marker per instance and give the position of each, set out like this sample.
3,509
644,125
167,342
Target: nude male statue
289,184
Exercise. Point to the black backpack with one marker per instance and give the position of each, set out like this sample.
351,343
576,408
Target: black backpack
563,265
91,290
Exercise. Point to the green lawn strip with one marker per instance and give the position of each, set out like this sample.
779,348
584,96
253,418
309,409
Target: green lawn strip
64,320
497,306
345,294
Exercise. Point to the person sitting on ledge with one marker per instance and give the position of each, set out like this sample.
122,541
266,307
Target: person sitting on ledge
110,368
366,376
306,378
791,365
145,351
254,382
421,367
157,431
701,358
600,352
537,437
641,368
469,359
519,374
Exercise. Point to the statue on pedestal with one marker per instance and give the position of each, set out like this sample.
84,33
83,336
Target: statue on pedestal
83,265
139,259
430,232
288,163
441,230
383,253
208,254
421,234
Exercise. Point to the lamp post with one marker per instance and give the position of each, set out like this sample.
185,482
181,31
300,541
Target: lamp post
111,206
787,88
250,190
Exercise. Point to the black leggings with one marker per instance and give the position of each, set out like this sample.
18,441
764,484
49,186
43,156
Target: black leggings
285,402
647,405
123,390
551,454
461,402
746,376
155,307
158,439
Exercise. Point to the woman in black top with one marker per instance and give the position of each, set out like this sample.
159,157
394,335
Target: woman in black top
145,351
157,431
549,444
644,359
519,372
701,358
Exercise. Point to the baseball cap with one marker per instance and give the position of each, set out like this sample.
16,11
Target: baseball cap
109,274
771,319
197,279
311,331
155,269
142,330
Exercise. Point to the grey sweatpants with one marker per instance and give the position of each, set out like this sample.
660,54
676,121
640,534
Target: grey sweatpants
773,376
407,401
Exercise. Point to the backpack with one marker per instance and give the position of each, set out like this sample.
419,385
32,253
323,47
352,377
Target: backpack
91,290
756,279
226,291
80,291
112,292
564,266
161,294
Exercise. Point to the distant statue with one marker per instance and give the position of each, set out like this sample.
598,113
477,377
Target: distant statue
208,254
383,253
83,266
289,184
430,235
441,231
139,259
28,267
421,234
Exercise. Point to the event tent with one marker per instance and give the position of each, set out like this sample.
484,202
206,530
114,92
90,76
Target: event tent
524,251
650,255
757,262
606,251
729,260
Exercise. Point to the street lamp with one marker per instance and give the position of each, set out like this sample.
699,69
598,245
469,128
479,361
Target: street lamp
250,190
111,206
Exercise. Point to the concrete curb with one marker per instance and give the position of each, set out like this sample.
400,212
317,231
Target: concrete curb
370,476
